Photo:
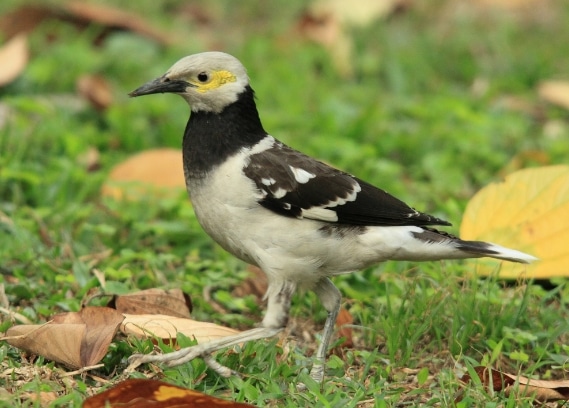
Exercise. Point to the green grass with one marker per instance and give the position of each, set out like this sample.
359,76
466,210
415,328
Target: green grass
408,121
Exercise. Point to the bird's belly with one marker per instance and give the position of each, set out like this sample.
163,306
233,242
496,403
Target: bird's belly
282,247
286,248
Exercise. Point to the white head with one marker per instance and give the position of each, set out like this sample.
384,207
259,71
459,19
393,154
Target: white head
208,81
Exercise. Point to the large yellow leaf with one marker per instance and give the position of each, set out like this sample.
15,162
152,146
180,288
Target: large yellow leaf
529,211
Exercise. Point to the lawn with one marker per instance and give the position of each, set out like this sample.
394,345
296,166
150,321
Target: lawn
436,102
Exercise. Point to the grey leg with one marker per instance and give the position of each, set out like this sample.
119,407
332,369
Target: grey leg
276,318
330,297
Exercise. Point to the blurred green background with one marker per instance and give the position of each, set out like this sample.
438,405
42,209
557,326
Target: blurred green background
427,100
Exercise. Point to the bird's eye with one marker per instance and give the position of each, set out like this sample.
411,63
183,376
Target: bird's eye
203,76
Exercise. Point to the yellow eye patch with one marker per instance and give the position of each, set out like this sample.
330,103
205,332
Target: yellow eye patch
217,79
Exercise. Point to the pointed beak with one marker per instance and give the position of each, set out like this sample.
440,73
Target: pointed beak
161,85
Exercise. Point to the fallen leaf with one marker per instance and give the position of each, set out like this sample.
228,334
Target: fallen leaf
116,19
143,393
76,339
542,390
42,398
359,13
23,19
101,326
327,22
4,302
511,5
90,160
555,92
171,302
528,211
13,58
27,17
326,30
96,90
60,343
152,173
523,159
167,327
344,322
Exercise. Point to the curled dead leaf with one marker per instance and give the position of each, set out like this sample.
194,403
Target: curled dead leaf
327,22
171,302
152,173
60,343
522,6
90,160
143,393
344,322
22,20
14,57
75,339
115,18
555,92
96,90
81,14
542,390
167,327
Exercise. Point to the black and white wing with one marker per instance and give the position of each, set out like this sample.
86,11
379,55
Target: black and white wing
296,185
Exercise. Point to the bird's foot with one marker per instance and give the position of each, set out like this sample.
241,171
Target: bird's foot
316,373
180,357
204,351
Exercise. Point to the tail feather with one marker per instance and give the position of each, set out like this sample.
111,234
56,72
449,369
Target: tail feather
479,248
467,249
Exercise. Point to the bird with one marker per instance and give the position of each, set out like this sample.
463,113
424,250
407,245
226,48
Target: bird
299,220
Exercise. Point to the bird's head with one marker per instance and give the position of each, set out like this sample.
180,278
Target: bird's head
208,81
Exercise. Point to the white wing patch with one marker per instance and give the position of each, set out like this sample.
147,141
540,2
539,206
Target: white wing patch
267,143
269,181
319,213
341,201
280,193
300,175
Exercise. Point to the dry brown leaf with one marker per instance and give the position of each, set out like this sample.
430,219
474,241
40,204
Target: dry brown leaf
356,12
555,92
42,398
326,30
60,343
512,5
143,393
542,390
101,325
152,173
167,327
76,339
115,18
96,90
26,18
91,159
327,22
13,58
171,302
344,322
529,212
523,159
23,19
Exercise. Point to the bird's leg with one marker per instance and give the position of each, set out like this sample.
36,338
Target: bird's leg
276,318
330,297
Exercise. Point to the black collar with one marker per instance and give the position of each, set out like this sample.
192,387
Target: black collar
211,138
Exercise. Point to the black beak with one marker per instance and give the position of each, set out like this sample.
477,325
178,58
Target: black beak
161,85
